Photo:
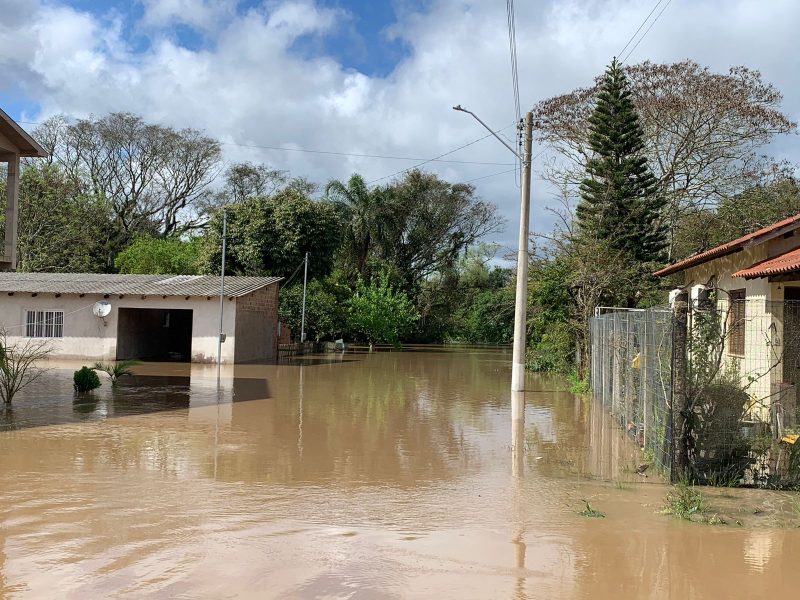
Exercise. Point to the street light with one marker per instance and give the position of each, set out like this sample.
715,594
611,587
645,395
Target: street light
521,306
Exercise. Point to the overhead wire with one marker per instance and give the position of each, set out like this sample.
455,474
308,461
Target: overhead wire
642,24
661,12
512,46
436,158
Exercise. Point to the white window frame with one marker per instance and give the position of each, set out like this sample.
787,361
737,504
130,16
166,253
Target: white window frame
46,323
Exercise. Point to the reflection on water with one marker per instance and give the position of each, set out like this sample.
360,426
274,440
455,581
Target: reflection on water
385,475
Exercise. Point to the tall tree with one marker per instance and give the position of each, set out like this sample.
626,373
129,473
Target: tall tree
270,236
360,207
61,229
427,223
620,200
153,177
703,132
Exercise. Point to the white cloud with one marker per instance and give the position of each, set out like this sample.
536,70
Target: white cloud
206,15
249,88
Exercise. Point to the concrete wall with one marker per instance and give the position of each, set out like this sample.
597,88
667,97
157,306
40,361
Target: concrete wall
88,338
256,323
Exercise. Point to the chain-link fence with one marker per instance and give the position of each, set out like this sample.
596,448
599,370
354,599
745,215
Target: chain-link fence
631,354
706,388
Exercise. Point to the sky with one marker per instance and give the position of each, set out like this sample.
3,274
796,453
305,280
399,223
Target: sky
366,77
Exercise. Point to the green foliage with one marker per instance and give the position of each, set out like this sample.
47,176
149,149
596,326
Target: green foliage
271,235
488,318
160,256
684,501
85,380
381,314
326,308
61,229
578,385
620,202
736,216
116,370
551,339
591,512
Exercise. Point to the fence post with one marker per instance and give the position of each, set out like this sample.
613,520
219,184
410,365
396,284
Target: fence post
680,455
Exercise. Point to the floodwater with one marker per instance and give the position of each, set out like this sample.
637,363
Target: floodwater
384,475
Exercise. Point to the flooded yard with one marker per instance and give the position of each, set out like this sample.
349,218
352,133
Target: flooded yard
384,475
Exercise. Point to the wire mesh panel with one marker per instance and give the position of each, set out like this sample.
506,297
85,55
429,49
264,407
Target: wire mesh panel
735,412
631,353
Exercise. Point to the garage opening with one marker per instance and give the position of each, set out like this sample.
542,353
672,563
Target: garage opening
154,334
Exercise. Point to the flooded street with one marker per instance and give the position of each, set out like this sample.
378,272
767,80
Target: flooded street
359,476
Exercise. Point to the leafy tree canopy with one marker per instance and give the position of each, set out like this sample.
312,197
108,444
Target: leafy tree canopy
380,313
271,235
160,256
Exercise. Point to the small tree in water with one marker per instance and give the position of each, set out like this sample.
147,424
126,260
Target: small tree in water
18,367
381,314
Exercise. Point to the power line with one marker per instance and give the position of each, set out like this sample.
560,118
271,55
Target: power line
436,158
646,32
382,156
512,45
348,154
635,33
514,170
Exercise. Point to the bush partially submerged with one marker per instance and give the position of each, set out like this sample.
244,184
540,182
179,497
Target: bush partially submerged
85,380
116,370
685,501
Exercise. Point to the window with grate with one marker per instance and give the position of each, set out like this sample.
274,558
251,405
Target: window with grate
736,322
44,323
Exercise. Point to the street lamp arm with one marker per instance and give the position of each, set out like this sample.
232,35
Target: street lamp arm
501,140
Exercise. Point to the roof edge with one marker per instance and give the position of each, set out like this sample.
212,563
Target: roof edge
759,236
36,150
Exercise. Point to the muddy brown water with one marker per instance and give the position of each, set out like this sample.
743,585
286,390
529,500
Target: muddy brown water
361,476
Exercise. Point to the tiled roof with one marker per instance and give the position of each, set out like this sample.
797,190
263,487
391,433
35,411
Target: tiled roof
788,224
788,262
134,285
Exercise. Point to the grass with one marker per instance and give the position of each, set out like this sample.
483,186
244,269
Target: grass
591,512
621,485
685,501
577,385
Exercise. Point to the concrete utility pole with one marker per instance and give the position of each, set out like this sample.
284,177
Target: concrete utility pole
521,306
222,292
303,318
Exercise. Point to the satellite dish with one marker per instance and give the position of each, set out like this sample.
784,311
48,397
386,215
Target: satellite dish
101,309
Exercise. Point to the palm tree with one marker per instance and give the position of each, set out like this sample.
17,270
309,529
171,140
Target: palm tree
361,208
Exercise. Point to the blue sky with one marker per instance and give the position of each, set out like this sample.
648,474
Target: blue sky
364,77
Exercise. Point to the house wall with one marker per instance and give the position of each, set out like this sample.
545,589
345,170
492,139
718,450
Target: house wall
89,338
761,366
256,323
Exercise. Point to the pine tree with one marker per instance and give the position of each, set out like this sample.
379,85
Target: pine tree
620,203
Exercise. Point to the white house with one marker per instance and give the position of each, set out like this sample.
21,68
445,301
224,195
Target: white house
757,279
151,317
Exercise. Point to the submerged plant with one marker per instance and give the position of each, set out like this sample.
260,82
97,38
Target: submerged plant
117,369
85,380
19,365
684,501
591,512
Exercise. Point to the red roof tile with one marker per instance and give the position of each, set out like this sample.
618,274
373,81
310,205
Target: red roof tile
730,247
788,262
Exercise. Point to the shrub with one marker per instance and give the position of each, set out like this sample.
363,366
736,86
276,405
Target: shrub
116,370
85,380
684,501
721,453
